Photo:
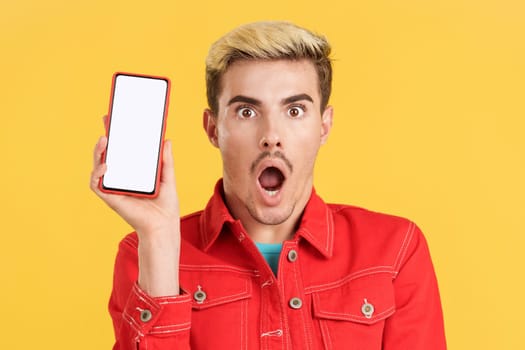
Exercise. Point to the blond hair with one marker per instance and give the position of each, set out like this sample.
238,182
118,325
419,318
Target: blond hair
271,40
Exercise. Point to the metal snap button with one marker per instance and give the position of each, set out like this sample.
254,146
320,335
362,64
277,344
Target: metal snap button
199,296
296,303
145,315
367,309
292,255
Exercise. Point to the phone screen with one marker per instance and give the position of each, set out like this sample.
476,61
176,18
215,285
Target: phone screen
135,133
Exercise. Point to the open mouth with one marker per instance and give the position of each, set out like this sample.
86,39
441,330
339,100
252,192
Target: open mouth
271,180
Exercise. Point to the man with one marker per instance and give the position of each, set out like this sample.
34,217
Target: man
344,277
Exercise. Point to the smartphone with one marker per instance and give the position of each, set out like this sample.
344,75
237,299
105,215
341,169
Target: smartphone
136,125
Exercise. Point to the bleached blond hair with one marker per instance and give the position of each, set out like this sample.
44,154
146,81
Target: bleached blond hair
270,40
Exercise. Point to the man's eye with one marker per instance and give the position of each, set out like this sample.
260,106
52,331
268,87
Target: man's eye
296,111
245,112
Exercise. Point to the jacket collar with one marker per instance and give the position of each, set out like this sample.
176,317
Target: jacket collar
316,226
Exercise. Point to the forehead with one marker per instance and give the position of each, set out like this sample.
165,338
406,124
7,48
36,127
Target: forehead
269,80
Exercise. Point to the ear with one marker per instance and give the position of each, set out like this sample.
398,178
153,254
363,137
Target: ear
326,123
209,123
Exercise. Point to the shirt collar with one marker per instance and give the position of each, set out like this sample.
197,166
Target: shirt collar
316,227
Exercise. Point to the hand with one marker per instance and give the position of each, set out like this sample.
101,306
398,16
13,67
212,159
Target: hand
143,214
156,221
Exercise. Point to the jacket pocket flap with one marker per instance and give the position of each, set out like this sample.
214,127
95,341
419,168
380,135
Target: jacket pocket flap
215,288
366,300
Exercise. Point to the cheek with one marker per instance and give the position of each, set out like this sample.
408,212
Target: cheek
234,137
235,152
223,135
306,155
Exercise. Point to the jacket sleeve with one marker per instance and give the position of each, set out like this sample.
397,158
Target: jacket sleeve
140,321
418,320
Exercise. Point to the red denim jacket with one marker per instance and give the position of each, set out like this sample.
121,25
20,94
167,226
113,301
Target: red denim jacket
348,279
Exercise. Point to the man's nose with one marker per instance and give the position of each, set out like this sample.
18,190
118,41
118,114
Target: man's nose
270,135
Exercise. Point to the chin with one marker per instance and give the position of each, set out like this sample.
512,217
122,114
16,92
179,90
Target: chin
272,216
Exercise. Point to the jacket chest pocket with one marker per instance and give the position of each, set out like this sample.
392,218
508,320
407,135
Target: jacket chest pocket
352,315
219,308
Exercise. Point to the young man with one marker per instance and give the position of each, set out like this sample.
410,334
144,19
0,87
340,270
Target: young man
267,264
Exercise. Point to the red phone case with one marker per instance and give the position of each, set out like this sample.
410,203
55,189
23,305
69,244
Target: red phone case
108,123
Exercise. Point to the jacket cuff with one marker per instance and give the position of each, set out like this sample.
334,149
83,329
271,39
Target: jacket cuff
157,316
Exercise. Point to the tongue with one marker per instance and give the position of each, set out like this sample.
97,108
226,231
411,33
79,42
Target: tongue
271,179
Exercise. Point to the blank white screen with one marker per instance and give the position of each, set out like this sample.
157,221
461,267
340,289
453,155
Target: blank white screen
135,133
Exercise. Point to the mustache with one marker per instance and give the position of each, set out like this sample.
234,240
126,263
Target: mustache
267,154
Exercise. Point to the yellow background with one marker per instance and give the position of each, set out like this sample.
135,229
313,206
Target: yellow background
429,123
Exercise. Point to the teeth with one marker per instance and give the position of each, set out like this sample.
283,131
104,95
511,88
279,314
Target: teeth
271,193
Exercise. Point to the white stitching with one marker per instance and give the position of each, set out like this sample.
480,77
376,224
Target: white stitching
244,324
283,311
174,325
303,310
203,228
404,247
170,331
311,236
405,237
347,316
174,302
143,297
275,333
132,322
131,240
222,268
233,297
329,225
241,323
352,276
262,323
324,331
267,283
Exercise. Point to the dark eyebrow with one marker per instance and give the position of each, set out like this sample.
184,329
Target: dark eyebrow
255,102
296,98
244,99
